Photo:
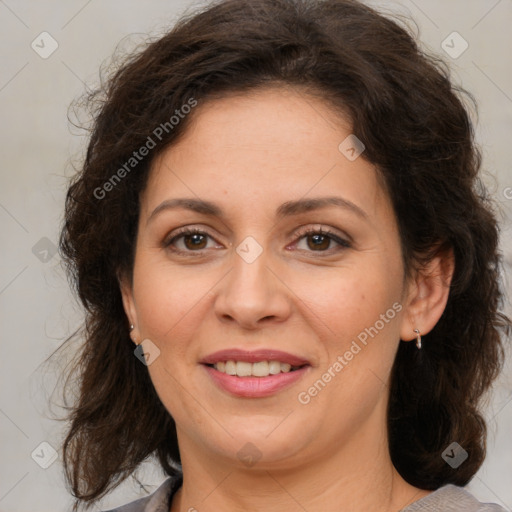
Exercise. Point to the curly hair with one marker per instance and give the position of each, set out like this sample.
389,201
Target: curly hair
417,131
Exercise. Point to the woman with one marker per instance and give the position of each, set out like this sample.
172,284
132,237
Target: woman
277,197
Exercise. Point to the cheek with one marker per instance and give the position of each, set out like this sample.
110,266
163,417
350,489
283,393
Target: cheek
166,295
356,316
344,301
170,304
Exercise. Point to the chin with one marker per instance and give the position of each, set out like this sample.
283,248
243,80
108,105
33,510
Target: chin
271,445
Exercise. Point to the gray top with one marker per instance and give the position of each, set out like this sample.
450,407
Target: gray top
448,498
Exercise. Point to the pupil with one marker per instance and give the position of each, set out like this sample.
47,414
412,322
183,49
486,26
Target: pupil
196,239
320,241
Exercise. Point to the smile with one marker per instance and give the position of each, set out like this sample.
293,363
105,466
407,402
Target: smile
256,373
257,369
249,385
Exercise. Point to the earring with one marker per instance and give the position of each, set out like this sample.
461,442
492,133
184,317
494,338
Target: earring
418,338
132,336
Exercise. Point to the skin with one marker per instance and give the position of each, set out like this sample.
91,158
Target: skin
250,154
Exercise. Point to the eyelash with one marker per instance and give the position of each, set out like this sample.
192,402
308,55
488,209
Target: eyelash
343,244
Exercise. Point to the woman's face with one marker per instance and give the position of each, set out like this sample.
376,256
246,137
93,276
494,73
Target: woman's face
253,281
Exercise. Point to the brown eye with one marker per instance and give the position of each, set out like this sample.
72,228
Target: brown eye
193,240
319,240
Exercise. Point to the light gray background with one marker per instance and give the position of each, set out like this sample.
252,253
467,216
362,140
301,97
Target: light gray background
36,306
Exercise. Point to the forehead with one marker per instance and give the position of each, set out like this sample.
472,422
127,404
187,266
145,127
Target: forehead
260,150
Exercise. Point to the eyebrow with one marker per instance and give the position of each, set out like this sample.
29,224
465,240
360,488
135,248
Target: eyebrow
287,209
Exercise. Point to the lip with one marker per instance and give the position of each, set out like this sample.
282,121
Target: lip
255,387
253,356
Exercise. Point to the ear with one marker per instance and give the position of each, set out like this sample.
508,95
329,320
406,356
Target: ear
129,303
427,295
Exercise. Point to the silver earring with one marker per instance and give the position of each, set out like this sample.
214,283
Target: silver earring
418,338
133,336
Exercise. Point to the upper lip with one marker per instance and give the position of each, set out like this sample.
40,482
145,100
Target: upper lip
253,356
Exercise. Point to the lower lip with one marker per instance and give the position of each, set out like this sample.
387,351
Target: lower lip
255,387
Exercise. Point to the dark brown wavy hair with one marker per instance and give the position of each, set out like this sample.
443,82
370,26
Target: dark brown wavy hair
417,131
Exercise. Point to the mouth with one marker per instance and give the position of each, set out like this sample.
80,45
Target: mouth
255,374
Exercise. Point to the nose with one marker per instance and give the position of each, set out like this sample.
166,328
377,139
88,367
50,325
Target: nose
252,294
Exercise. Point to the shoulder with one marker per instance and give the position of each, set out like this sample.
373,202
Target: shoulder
451,498
158,501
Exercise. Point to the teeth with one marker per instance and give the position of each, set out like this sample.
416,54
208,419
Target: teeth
274,367
259,369
243,369
230,368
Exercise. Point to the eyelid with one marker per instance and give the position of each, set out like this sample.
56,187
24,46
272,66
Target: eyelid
321,229
343,240
186,230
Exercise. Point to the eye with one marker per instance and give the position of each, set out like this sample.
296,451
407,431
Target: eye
319,240
193,240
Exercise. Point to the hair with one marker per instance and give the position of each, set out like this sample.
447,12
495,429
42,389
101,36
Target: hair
418,133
